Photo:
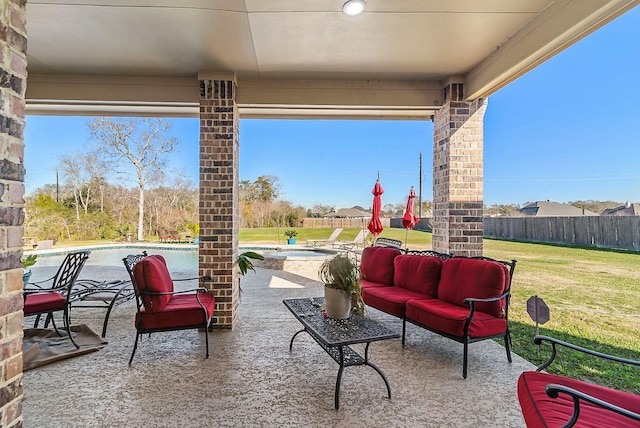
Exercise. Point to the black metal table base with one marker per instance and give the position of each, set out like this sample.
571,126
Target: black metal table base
345,356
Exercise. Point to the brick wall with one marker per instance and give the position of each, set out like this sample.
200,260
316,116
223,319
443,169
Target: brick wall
219,196
458,174
13,77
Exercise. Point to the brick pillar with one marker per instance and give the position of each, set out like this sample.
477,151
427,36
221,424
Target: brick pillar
219,196
13,79
458,174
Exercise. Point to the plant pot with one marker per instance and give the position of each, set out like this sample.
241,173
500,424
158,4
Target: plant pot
291,241
26,275
337,303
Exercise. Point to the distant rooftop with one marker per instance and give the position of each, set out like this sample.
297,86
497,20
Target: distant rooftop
354,212
553,209
626,209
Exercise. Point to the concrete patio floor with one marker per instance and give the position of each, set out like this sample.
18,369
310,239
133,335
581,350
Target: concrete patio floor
251,378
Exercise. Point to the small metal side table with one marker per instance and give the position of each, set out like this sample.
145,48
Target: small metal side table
335,336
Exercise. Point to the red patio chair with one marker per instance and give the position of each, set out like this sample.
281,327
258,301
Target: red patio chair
549,400
159,306
42,298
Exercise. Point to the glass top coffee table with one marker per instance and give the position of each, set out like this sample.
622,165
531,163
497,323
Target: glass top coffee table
335,336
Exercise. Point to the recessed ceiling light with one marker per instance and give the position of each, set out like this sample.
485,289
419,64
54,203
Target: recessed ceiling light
354,7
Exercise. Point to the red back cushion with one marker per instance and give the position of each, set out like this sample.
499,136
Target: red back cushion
417,273
377,264
151,274
462,278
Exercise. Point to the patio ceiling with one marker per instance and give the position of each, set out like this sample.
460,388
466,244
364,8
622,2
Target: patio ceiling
291,57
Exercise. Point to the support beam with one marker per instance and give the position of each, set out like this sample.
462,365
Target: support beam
219,196
540,39
458,174
256,98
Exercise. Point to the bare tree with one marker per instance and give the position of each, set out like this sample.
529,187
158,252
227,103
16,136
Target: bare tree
83,173
136,148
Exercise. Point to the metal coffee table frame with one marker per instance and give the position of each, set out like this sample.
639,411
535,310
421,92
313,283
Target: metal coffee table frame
335,336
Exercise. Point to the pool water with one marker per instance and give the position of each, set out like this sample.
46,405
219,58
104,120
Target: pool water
182,258
185,258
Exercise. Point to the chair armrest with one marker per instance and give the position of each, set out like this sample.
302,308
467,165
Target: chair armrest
199,278
169,293
39,290
471,300
553,390
41,281
539,339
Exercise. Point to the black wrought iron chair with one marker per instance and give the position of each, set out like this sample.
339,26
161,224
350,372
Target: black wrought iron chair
160,307
56,293
388,242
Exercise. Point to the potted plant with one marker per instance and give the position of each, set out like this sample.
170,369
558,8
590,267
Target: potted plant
27,262
291,234
342,292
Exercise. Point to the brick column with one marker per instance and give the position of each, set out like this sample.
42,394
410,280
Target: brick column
13,79
219,196
458,174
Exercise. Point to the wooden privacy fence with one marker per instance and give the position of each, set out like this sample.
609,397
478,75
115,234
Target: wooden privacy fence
425,224
621,232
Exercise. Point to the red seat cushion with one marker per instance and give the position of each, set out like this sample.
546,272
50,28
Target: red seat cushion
43,302
151,274
448,318
376,264
417,273
539,410
181,312
366,284
462,278
389,299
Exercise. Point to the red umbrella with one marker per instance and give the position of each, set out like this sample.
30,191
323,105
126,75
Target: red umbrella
409,220
375,225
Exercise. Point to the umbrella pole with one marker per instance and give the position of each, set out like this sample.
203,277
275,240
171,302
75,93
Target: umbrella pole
406,234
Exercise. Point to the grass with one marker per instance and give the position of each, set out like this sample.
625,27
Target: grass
593,296
416,239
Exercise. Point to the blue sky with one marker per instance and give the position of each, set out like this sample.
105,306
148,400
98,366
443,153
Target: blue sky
565,131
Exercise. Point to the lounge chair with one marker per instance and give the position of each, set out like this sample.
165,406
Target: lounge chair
330,240
359,239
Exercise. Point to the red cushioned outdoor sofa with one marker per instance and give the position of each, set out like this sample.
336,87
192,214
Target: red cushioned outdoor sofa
549,400
465,299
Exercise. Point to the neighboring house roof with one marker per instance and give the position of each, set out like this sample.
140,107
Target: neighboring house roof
355,212
553,209
627,209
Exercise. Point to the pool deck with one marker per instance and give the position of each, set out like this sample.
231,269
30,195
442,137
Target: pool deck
251,379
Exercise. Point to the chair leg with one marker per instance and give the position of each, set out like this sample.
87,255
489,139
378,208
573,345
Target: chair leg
67,321
404,330
507,344
53,322
37,321
465,359
135,346
206,339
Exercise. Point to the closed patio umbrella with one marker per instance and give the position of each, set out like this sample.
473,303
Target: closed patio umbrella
375,224
409,220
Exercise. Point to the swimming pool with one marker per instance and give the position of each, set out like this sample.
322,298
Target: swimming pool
186,258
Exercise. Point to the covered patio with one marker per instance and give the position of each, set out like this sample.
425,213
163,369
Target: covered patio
251,378
219,60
